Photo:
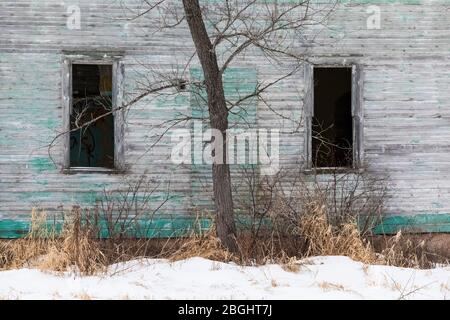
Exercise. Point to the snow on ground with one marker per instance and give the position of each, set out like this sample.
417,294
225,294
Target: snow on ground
197,278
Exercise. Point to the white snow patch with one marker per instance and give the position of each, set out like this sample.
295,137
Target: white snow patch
196,278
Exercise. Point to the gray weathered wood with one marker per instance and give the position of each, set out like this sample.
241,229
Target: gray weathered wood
404,119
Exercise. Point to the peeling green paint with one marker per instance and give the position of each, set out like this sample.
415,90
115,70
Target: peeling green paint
87,198
12,229
422,223
36,196
158,227
178,100
42,182
51,123
41,164
237,82
166,226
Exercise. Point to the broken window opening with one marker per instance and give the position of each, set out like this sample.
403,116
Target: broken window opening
332,123
92,145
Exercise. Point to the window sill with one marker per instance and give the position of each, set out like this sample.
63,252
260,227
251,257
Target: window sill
333,170
76,170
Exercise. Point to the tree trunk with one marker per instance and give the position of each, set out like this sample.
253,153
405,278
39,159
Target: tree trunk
218,116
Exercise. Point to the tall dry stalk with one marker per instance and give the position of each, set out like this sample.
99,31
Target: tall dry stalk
42,248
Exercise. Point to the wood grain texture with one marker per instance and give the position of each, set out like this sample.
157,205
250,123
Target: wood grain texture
405,101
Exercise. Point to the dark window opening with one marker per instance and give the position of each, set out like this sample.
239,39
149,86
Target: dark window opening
91,145
332,125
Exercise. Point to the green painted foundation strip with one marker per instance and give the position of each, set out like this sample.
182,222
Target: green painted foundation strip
158,227
179,226
422,223
11,229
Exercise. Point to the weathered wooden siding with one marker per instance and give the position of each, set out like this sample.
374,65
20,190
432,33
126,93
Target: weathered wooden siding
406,100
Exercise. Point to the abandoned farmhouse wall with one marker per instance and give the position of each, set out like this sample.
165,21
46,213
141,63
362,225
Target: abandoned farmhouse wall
405,104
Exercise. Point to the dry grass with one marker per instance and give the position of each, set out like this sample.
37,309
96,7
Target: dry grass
328,286
83,296
404,252
291,265
318,236
27,252
205,245
323,239
78,248
303,223
274,283
42,249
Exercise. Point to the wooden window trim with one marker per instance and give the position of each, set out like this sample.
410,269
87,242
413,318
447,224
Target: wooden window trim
357,114
68,60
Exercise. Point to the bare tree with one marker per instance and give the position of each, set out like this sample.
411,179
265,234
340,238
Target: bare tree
239,24
218,115
222,33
